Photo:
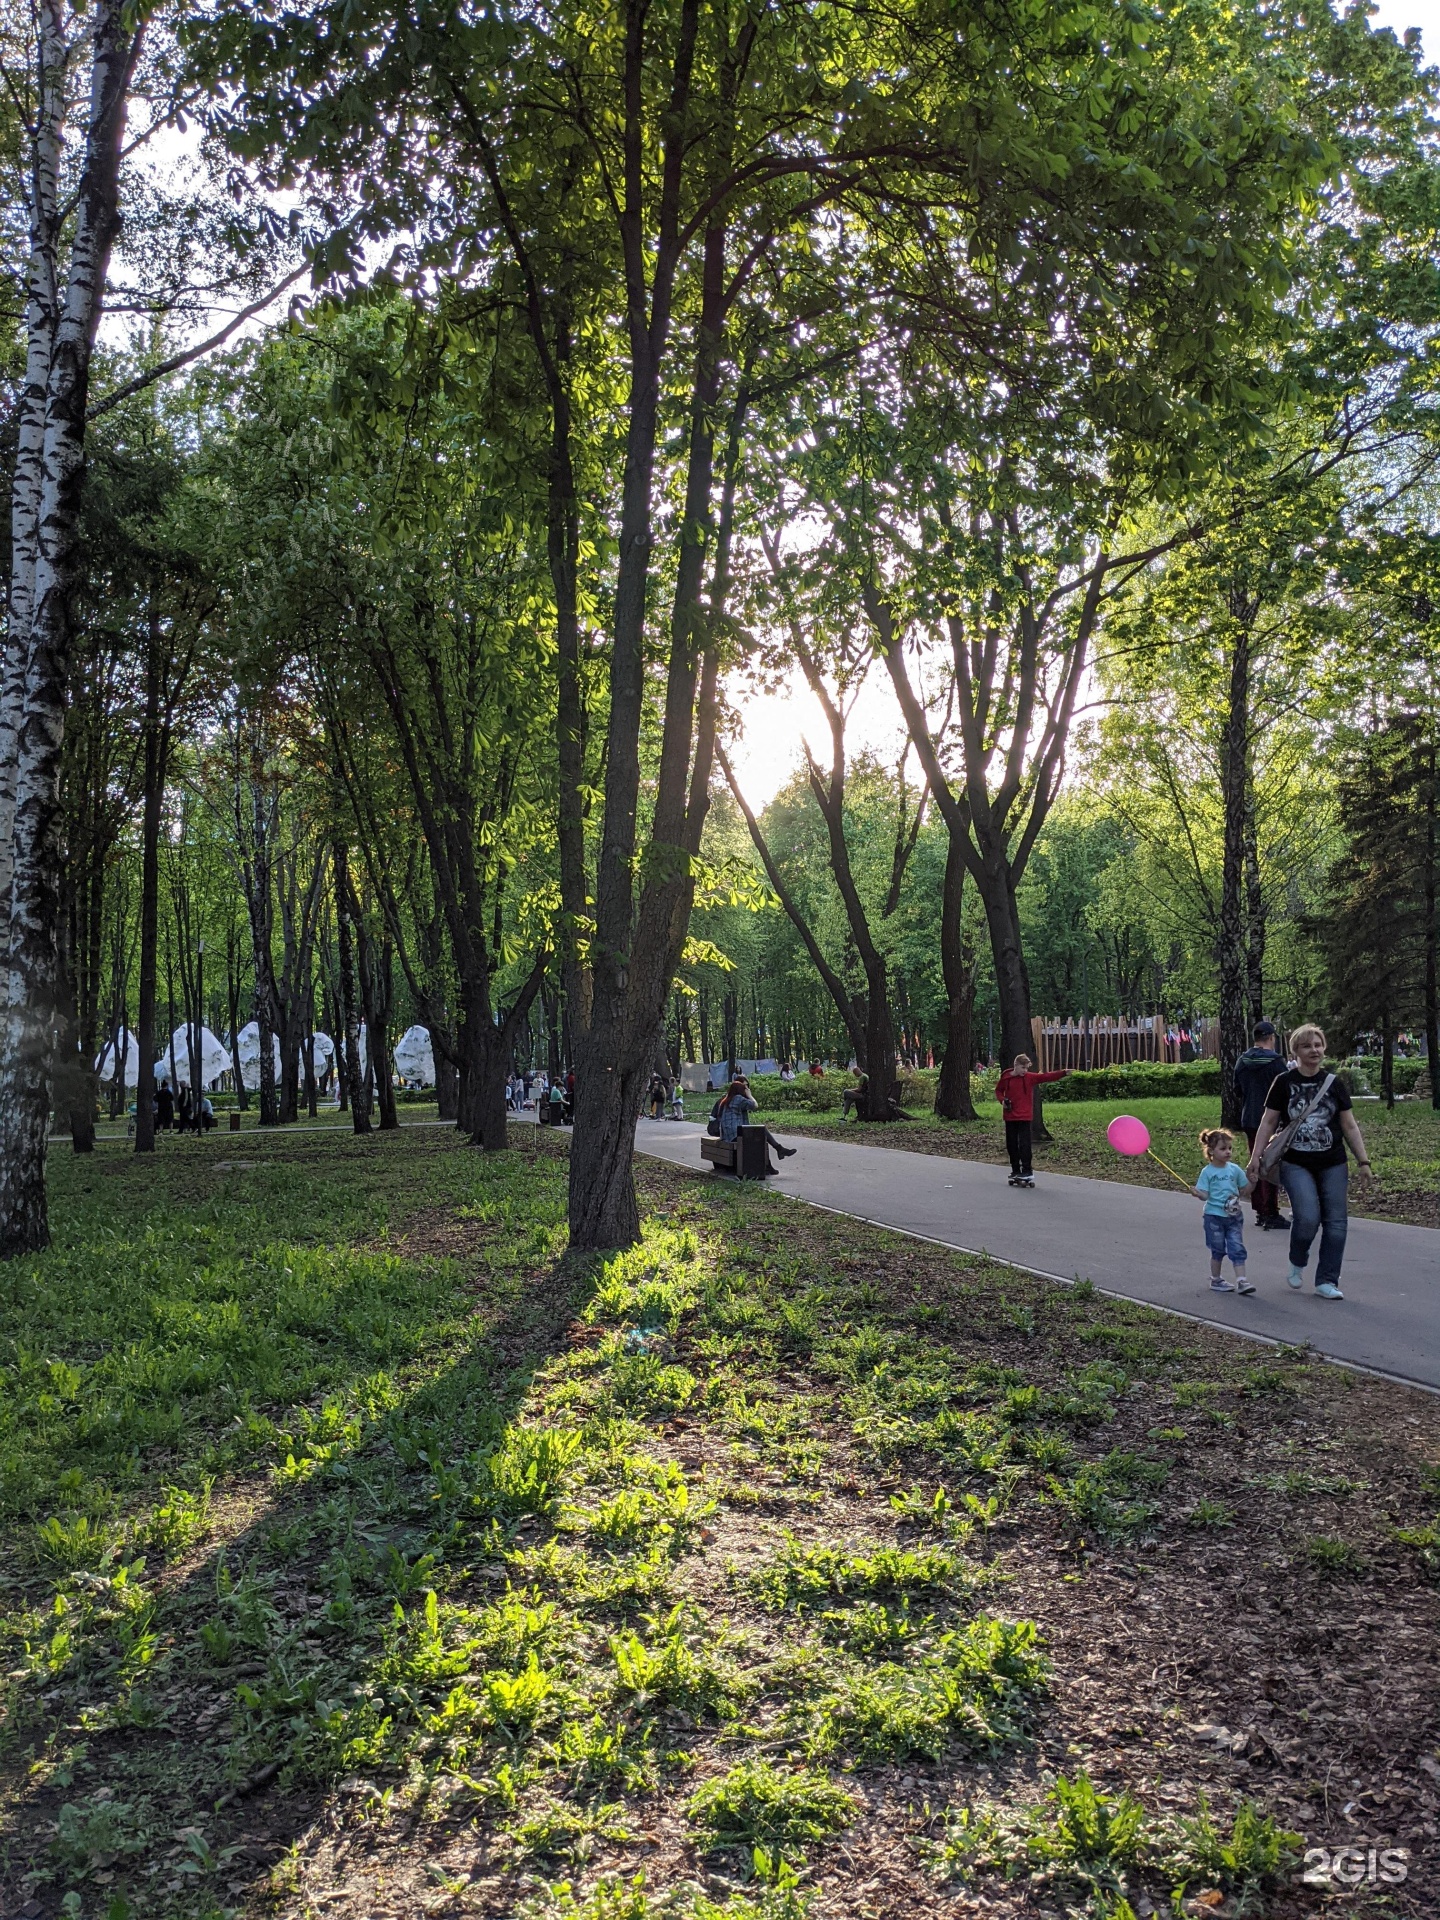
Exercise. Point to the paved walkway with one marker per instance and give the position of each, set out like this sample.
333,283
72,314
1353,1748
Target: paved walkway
1138,1242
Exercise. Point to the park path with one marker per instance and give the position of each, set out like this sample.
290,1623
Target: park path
1138,1242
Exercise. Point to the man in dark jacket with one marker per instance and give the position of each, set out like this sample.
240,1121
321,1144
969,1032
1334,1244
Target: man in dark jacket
1255,1073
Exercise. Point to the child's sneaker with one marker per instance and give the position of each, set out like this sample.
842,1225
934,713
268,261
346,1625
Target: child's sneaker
1221,1285
1242,1285
1296,1277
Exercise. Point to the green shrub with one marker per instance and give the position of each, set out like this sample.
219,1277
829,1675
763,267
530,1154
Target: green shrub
973,1689
1139,1080
1088,1842
1362,1073
1256,1854
755,1804
1336,1557
805,1095
803,1574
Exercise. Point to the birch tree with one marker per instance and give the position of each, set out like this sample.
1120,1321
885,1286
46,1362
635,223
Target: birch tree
63,304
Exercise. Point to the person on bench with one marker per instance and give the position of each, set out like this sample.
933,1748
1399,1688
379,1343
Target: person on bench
733,1110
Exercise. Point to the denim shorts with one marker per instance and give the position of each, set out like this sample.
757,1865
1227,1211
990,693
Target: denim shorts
1224,1238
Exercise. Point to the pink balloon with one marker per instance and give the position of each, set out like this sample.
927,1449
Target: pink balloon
1126,1134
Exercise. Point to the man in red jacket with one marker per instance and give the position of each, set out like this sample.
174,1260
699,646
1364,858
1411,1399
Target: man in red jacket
1015,1090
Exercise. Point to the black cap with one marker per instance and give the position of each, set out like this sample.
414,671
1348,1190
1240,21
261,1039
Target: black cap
1264,1030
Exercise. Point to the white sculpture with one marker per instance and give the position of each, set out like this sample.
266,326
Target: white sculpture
108,1063
415,1057
247,1045
214,1060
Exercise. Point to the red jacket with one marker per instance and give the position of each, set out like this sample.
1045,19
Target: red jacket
1016,1092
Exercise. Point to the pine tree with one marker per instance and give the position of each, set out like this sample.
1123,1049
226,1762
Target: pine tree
1373,931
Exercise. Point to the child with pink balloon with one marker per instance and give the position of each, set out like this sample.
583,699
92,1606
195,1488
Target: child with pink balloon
1220,1185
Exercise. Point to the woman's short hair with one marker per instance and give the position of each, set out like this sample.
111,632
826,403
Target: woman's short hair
1308,1032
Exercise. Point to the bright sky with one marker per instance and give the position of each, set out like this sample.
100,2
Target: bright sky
768,750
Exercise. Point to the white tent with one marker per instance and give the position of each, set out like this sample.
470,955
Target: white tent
214,1060
415,1057
108,1064
248,1048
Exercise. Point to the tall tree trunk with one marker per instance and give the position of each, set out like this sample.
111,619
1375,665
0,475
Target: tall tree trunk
1234,795
265,1021
25,1061
42,313
1256,917
953,1100
609,1089
353,1075
1430,932
307,1052
152,804
232,996
447,1080
376,1002
74,1093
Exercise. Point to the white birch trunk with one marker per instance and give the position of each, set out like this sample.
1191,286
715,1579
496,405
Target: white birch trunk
25,1065
40,320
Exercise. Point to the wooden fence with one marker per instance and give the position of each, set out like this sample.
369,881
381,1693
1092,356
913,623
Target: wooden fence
1106,1041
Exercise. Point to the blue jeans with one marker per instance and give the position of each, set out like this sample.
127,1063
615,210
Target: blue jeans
1224,1238
1317,1205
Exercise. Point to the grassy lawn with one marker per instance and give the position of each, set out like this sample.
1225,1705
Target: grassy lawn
1404,1145
364,1557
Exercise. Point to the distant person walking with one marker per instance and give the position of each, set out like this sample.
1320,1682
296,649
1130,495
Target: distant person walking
164,1107
1255,1073
1308,1112
1015,1090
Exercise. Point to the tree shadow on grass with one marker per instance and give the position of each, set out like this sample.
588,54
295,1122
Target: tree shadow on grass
217,1700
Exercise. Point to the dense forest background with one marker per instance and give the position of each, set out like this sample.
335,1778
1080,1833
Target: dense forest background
375,665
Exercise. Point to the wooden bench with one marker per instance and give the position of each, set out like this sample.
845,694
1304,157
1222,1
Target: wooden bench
747,1158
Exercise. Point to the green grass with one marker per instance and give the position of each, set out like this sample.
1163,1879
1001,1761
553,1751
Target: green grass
338,1502
1404,1144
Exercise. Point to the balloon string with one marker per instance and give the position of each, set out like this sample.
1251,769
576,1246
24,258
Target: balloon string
1170,1170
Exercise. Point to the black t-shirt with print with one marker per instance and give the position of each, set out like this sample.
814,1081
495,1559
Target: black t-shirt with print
1319,1142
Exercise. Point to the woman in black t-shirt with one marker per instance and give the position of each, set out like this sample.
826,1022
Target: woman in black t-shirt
1314,1171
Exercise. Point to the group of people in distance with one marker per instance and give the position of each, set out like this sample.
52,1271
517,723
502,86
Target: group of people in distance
1298,1120
183,1112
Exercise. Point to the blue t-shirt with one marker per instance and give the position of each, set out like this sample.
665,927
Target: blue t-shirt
1221,1185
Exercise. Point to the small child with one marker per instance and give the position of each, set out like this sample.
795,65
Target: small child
1220,1186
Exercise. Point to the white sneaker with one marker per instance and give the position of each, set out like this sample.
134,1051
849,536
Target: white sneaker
1221,1285
1296,1277
1327,1290
1243,1285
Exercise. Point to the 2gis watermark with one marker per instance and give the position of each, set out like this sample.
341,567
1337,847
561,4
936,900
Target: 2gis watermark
1360,1865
